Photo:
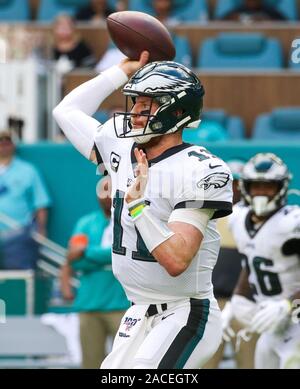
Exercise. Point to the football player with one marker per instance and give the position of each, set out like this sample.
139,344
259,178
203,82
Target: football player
167,197
267,233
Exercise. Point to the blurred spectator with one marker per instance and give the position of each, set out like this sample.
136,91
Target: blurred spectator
254,10
69,49
95,11
163,10
226,274
23,198
100,299
122,5
17,42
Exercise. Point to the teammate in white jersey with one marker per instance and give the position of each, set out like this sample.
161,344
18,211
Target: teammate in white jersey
267,233
167,197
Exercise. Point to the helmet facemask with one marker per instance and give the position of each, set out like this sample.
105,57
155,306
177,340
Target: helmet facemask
263,205
265,168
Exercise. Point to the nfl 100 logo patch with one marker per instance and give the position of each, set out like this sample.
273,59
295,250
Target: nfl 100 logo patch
130,322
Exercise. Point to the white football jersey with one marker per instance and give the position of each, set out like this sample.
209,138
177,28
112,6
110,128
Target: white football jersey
183,176
272,274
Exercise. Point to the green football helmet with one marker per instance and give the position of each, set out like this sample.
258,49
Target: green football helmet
175,88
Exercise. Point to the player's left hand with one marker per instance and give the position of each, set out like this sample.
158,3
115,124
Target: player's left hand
137,188
269,315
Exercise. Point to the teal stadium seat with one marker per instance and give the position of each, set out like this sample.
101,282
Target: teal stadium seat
140,6
183,50
184,10
102,116
14,10
216,125
234,125
280,124
112,3
208,131
241,51
49,9
287,7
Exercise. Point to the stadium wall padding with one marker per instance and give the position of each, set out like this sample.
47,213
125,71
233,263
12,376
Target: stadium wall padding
71,179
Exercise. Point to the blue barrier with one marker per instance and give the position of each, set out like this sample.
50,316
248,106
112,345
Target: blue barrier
71,179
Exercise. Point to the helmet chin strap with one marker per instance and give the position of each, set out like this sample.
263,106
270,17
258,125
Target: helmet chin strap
144,139
262,205
141,139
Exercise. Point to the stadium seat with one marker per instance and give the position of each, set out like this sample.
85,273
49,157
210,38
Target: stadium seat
14,10
234,125
183,50
49,9
287,7
141,6
184,10
102,116
280,124
241,51
191,10
208,131
112,3
216,125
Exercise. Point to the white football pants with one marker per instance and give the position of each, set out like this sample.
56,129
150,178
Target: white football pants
179,335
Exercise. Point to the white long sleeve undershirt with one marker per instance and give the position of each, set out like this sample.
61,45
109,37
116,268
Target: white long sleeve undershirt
73,113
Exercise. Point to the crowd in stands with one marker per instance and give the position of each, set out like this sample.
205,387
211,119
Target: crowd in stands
228,50
171,11
68,44
242,51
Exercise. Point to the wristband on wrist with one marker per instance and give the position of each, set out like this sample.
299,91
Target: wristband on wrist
153,231
136,207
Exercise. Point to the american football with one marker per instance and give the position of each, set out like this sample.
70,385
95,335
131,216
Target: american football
132,32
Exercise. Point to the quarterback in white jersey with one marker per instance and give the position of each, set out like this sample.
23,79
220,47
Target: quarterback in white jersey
167,197
267,233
